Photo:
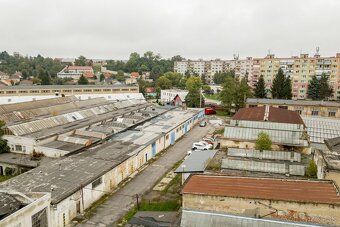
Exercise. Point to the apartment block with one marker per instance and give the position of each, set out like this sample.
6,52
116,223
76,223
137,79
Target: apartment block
300,69
208,68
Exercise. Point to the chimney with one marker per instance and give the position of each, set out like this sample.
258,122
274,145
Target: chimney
266,113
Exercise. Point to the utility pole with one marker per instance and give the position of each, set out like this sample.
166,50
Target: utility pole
137,202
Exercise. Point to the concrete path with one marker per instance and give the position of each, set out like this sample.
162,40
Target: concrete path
120,202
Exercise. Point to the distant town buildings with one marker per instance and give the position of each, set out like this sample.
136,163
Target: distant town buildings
300,69
75,72
173,96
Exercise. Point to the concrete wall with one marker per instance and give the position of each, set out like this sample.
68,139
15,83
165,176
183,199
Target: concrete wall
23,217
294,211
225,143
28,144
307,110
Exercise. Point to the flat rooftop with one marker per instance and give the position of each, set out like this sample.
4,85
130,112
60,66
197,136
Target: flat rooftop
263,188
64,176
64,86
22,160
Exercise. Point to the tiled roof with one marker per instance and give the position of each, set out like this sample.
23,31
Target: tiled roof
263,188
274,115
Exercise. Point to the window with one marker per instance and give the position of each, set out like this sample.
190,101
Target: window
87,90
299,111
97,182
40,219
315,113
10,92
106,89
167,137
283,107
35,91
331,114
18,147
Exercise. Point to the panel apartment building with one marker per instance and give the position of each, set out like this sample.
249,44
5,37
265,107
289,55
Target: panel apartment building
208,68
300,69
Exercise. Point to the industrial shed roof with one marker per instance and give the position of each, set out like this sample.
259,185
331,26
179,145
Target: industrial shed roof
6,108
268,113
197,161
333,144
64,86
263,188
289,138
216,219
292,102
320,129
65,176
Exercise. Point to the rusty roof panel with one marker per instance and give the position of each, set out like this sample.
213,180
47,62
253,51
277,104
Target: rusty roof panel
263,188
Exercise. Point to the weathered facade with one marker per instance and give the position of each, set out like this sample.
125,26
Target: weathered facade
293,200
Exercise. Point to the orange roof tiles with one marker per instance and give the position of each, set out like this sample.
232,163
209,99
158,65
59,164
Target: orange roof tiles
275,115
263,188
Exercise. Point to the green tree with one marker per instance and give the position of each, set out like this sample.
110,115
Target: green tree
260,89
312,169
193,85
278,85
234,93
313,88
120,76
287,89
263,142
4,148
101,77
81,61
319,89
83,80
163,82
175,78
206,88
326,90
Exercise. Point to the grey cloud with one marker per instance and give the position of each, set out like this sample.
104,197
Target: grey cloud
191,28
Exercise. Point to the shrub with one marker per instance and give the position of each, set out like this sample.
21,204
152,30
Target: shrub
263,142
311,169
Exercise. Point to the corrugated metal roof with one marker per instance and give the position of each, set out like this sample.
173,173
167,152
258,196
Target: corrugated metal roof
320,129
293,138
263,188
265,154
263,166
196,161
66,86
206,218
268,113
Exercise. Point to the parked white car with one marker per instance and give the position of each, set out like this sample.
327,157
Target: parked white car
199,146
210,146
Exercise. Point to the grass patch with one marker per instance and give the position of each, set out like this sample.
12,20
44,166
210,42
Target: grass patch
221,113
173,185
213,97
171,205
219,131
4,178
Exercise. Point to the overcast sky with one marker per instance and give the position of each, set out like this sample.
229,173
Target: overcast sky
192,28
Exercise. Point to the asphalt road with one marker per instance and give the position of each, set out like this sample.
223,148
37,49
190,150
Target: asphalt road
121,201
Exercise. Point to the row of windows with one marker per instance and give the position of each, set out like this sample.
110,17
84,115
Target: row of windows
75,90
